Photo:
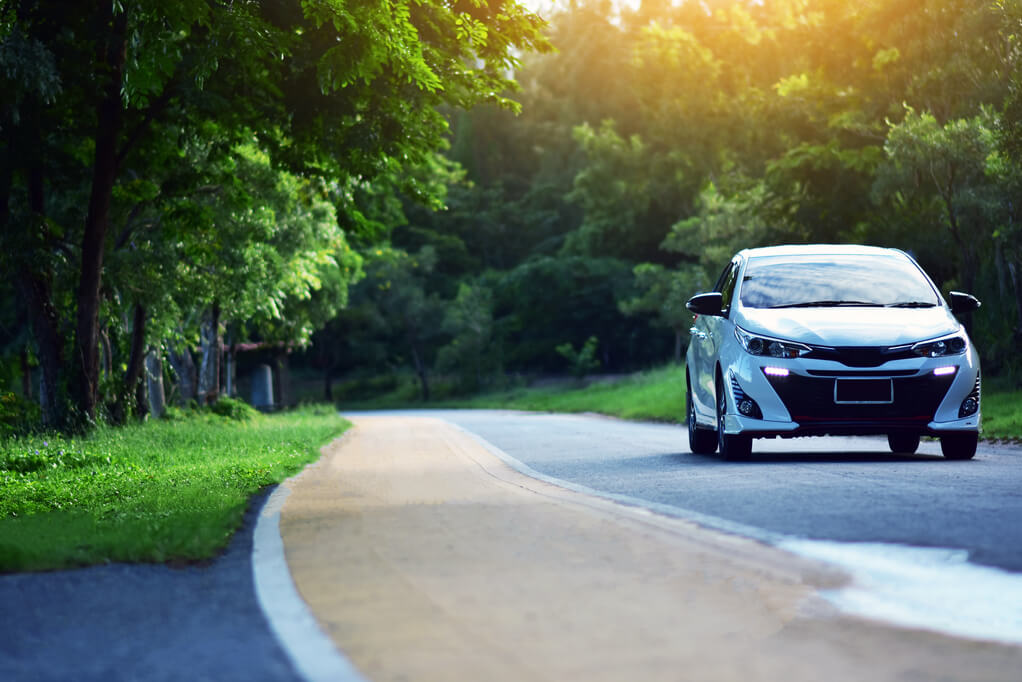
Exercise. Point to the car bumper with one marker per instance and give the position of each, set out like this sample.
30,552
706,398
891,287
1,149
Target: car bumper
923,398
760,428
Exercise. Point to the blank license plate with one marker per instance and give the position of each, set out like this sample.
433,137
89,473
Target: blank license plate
863,391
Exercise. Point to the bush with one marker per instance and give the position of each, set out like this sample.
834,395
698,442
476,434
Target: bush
235,409
582,361
17,415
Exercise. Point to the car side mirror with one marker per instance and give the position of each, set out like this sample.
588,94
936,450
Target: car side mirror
706,304
963,303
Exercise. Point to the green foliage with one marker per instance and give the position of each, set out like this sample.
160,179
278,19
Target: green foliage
582,361
235,409
273,154
621,194
663,294
942,171
18,416
236,142
731,125
722,225
550,300
469,322
158,491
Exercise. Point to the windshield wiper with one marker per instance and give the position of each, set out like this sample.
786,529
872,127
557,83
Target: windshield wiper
912,304
828,304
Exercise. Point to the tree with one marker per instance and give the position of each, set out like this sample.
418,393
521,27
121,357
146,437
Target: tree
468,319
331,90
663,296
945,164
395,282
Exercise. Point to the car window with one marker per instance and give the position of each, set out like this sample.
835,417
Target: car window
845,280
726,286
723,276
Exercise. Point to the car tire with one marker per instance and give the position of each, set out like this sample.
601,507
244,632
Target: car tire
903,443
701,441
959,445
731,447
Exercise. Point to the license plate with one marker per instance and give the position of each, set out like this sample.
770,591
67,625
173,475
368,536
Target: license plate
863,391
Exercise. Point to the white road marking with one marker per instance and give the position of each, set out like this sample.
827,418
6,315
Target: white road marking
931,589
312,653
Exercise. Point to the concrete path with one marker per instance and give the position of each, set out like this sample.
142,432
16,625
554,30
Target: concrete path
424,557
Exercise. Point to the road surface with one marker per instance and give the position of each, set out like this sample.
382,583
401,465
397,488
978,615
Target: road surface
424,554
843,489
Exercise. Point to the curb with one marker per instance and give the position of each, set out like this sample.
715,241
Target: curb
309,649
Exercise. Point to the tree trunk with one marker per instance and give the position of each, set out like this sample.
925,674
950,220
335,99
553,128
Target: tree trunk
107,364
129,397
999,263
184,368
209,369
677,346
420,369
49,347
1016,284
154,382
37,288
110,66
328,385
133,389
231,372
230,367
26,376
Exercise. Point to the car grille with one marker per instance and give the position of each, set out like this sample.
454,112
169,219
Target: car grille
861,356
810,401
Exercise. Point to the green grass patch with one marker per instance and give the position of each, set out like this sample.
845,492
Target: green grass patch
166,490
656,395
1002,414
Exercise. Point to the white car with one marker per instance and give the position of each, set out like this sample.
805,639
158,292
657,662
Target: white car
830,340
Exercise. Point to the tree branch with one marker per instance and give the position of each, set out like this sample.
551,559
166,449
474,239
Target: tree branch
155,108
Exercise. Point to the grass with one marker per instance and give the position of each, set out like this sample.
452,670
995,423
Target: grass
1002,414
167,490
655,395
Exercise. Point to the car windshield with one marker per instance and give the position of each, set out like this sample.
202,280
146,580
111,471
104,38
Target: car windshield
835,280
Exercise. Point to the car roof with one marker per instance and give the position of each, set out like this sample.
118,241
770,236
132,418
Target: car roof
821,250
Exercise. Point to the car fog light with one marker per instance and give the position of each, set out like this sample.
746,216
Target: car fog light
747,407
969,407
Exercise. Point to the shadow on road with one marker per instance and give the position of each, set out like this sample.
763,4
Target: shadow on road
813,457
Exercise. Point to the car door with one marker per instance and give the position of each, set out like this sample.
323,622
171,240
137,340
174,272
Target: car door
707,336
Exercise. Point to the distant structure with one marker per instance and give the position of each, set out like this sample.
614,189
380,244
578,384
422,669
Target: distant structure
262,388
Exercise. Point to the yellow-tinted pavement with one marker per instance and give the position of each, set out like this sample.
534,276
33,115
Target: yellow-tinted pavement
424,557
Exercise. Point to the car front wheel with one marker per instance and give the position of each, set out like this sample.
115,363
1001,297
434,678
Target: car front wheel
959,445
701,441
903,443
731,447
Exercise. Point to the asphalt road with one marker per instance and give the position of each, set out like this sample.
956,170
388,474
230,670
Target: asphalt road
141,622
843,489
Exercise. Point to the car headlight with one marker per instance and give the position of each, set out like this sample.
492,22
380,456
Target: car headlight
771,348
938,348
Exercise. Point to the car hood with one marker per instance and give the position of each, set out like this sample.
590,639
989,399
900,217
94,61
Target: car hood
850,326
